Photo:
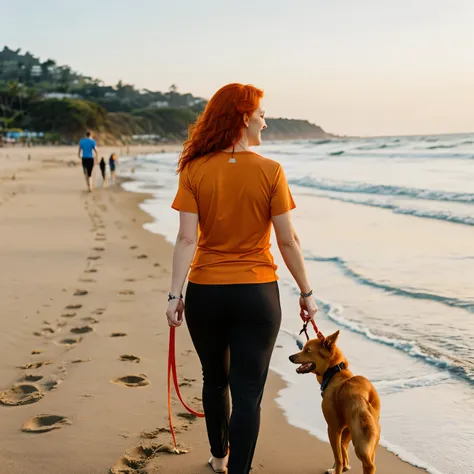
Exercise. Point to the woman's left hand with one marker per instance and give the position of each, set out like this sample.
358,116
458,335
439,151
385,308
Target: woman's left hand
174,313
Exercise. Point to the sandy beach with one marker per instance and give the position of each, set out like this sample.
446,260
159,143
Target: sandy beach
84,337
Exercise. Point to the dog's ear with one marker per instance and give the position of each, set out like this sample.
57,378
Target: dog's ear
331,340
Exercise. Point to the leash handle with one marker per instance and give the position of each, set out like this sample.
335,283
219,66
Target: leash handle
305,325
172,375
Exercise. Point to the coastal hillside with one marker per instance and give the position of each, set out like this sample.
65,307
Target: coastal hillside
45,101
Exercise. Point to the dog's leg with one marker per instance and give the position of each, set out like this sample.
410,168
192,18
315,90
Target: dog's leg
368,467
345,440
335,440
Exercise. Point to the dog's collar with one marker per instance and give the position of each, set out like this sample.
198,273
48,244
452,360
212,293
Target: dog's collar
329,374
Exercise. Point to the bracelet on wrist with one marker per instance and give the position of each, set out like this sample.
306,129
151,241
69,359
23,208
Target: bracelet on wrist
306,295
174,297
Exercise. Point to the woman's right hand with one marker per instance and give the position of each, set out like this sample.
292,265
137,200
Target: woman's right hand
308,307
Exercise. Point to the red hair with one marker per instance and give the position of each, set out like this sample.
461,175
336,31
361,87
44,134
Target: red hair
221,124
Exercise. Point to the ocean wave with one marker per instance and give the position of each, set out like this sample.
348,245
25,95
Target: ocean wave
408,457
449,145
337,153
412,348
437,215
410,293
378,146
387,387
439,147
323,141
381,189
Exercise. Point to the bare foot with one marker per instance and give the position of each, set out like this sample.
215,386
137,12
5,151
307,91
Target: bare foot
219,464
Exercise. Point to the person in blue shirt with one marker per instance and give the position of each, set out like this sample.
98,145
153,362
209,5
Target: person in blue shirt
87,150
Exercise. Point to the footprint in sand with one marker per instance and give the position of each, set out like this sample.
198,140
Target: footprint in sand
82,330
133,247
74,306
98,249
156,265
80,361
137,458
98,311
44,332
187,416
68,315
43,423
154,434
52,384
36,365
100,239
86,280
126,292
118,334
90,320
36,352
70,341
94,257
32,377
21,394
129,279
80,292
91,270
129,358
132,380
142,256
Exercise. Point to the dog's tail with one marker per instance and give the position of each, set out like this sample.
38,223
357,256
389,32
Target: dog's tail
365,432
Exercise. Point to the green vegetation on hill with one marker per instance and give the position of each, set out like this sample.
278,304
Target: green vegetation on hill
44,97
282,128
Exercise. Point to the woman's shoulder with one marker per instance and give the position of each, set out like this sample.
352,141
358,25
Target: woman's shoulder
267,163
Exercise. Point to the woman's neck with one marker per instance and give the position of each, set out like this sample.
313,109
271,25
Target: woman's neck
241,145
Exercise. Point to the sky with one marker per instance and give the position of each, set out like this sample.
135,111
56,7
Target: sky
365,67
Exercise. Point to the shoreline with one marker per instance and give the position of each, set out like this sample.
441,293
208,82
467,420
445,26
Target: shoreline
95,243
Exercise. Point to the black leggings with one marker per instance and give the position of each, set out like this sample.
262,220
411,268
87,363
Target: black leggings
233,328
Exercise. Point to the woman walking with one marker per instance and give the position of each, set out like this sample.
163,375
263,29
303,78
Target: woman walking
232,302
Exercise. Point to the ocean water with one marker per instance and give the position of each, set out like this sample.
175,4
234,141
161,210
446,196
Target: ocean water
387,228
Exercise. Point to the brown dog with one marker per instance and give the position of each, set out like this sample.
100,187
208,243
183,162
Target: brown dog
350,403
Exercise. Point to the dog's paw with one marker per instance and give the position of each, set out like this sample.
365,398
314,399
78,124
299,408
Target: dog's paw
332,470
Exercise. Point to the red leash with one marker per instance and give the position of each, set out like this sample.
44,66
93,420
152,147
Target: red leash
172,374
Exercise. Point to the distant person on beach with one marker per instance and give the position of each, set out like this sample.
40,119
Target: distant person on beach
87,150
113,165
102,170
232,301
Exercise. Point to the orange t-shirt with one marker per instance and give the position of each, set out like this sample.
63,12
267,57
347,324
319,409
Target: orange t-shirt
235,199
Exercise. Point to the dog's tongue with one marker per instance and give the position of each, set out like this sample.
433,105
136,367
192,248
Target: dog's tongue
305,368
